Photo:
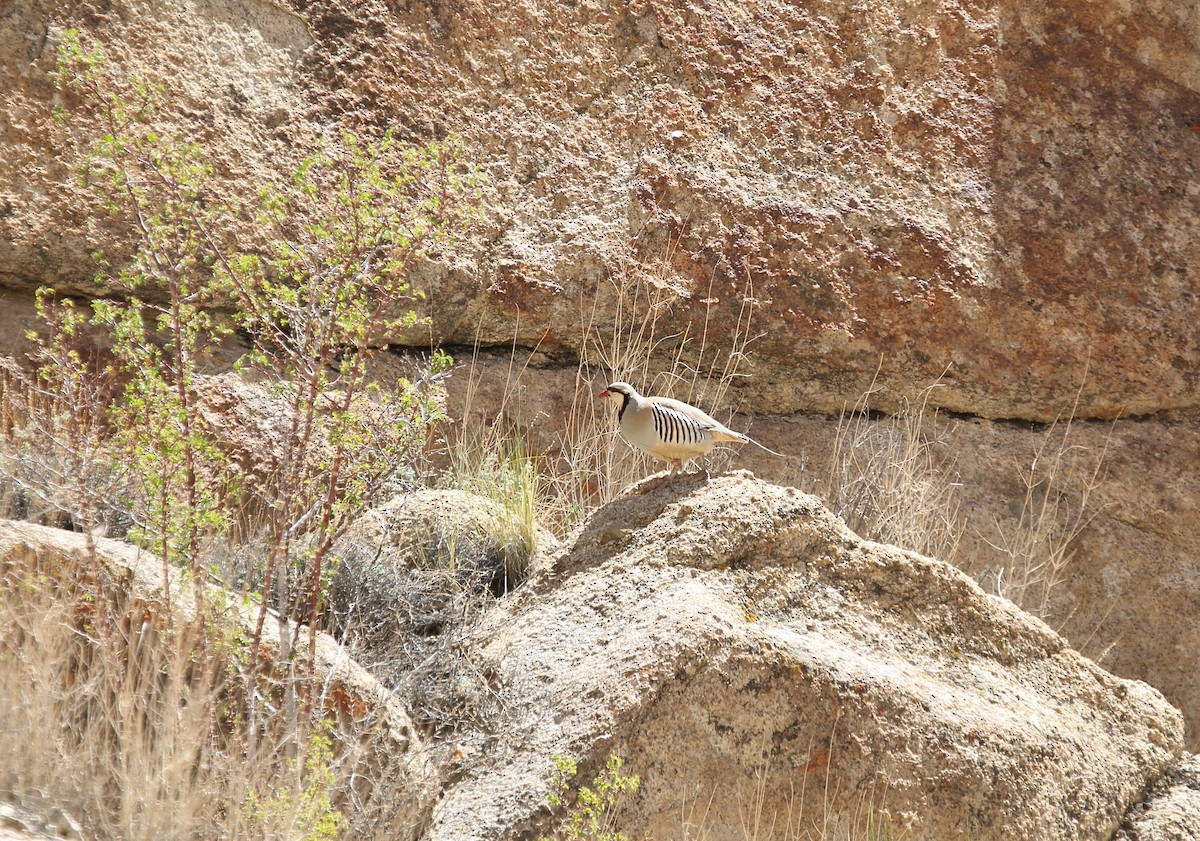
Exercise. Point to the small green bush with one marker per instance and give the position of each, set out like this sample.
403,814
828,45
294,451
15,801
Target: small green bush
592,816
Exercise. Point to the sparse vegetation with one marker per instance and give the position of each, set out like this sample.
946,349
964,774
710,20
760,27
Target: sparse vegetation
135,735
123,436
592,811
892,479
1034,548
488,457
341,239
303,811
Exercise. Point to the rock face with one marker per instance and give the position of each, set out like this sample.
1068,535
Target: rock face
230,68
737,644
997,193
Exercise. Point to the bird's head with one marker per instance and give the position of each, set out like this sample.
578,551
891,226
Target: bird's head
619,392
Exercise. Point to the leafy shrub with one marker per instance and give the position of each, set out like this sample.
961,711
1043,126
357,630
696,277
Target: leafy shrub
593,814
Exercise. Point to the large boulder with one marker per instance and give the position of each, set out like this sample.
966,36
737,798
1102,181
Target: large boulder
736,643
453,531
1128,595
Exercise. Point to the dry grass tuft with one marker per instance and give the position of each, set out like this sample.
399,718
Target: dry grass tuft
893,480
139,733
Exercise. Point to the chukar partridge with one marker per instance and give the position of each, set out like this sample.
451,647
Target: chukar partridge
669,430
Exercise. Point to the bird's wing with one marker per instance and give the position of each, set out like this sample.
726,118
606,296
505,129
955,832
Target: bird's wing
718,430
706,421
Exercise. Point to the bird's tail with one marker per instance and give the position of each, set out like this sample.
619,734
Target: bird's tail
761,447
746,439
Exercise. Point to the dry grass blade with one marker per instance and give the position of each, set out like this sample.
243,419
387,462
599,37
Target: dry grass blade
760,819
142,735
1033,552
893,480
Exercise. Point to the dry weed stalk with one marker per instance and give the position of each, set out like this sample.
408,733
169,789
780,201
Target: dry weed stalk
1057,504
893,480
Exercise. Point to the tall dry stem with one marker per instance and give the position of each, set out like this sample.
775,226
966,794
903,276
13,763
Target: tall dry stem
893,479
1034,550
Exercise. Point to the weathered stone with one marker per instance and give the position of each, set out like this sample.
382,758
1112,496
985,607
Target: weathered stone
370,724
992,193
453,531
1171,811
229,72
733,639
414,574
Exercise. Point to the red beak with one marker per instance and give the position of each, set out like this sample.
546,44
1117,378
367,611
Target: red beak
604,393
